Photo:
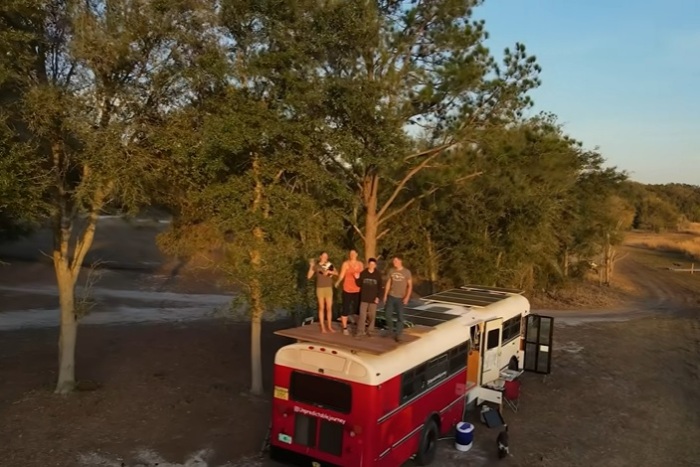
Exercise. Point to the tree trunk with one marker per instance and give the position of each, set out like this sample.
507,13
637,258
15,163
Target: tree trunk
566,263
432,261
607,260
370,199
371,235
69,329
256,303
256,294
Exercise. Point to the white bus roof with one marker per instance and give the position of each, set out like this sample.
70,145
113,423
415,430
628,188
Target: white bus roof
449,325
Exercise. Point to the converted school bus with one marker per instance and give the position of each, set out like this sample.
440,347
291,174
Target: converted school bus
343,401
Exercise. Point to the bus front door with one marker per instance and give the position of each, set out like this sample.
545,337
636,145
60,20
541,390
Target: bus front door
491,350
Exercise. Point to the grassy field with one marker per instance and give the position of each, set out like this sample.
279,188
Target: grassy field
686,243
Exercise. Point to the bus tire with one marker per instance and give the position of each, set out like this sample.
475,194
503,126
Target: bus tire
428,443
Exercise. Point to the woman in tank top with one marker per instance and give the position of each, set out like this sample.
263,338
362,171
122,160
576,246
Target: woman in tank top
349,272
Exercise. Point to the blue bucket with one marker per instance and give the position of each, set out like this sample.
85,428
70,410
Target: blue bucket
464,438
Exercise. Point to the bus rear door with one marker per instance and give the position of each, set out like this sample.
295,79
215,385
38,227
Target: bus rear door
491,350
538,343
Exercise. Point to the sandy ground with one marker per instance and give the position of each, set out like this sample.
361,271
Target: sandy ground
164,378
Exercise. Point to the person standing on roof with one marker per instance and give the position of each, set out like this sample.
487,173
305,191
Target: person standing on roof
397,294
370,283
324,272
349,272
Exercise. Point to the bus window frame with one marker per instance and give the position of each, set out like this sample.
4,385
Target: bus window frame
414,382
511,324
316,380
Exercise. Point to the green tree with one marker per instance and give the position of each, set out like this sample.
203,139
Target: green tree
616,217
97,81
22,182
255,191
389,66
510,225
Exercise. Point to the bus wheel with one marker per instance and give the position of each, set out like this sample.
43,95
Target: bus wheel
428,443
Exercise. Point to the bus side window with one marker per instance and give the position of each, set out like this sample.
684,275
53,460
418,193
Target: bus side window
492,340
511,329
413,382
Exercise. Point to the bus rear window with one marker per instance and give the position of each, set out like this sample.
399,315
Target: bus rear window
322,392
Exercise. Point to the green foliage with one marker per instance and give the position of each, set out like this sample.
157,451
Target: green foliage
250,173
541,195
90,84
663,207
388,65
266,127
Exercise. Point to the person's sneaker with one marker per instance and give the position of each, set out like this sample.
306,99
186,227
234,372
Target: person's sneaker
346,332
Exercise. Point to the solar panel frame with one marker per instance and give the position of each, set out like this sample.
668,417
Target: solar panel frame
429,318
482,297
466,297
494,289
463,302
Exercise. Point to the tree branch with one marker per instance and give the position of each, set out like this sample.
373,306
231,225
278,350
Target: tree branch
430,151
357,229
383,219
403,182
406,205
84,241
382,233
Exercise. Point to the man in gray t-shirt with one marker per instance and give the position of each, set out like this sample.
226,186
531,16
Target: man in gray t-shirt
397,293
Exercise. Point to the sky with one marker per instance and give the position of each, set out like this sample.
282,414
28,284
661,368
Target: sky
621,75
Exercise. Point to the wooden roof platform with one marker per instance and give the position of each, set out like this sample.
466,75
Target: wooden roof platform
375,345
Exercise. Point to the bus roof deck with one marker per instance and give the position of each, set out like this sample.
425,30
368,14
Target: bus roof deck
375,345
473,303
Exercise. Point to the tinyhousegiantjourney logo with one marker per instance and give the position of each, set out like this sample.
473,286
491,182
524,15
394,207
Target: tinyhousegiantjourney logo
313,413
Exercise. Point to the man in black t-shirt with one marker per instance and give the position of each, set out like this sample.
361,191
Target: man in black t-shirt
370,283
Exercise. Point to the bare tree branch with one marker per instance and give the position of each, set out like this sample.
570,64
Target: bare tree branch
403,182
383,219
406,205
430,151
357,229
382,233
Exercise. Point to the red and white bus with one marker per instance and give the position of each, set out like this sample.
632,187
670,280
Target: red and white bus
343,401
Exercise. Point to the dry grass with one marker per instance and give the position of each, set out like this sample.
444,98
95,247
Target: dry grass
586,295
692,228
686,243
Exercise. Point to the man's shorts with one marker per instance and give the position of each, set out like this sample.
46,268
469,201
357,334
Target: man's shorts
324,293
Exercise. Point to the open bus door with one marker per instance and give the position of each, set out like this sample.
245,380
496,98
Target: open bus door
538,343
491,350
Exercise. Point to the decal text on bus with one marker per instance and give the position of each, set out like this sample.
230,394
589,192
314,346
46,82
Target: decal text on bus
316,414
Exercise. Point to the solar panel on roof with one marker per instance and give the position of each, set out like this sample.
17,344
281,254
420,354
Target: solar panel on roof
427,317
495,289
467,295
440,309
470,296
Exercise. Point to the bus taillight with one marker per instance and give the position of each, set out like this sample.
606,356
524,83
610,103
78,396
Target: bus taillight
355,430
